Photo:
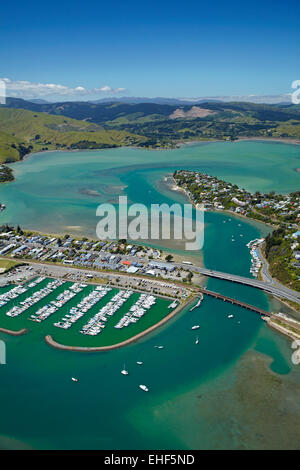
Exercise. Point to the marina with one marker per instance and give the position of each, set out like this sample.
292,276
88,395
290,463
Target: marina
98,322
84,306
254,245
76,313
34,298
16,291
48,309
143,304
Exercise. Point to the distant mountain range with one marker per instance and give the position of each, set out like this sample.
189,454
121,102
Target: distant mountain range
112,112
278,100
38,125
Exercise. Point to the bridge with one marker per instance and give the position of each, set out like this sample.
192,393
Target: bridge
263,313
274,288
231,300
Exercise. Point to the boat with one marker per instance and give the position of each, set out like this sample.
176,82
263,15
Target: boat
143,387
74,379
124,371
230,316
195,327
173,304
197,340
139,363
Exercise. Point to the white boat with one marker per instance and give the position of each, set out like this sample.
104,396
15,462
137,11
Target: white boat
195,327
143,387
139,363
124,371
230,316
74,379
197,340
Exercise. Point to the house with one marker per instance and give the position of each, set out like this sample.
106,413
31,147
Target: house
296,234
297,255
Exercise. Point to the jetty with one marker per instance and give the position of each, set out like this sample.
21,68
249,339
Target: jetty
198,303
51,341
14,333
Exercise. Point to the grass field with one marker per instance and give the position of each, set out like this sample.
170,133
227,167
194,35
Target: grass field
24,131
8,264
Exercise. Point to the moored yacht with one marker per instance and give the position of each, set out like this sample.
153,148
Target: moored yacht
124,371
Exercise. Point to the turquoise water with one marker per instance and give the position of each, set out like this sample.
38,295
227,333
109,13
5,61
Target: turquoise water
60,191
216,394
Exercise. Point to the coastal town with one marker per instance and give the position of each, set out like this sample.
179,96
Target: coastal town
117,256
280,211
216,194
116,267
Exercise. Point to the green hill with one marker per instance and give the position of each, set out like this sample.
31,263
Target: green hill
25,131
99,125
98,113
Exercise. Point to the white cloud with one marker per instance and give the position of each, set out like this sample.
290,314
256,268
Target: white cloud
25,89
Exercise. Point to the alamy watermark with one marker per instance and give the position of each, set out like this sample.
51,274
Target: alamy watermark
2,92
159,222
296,93
2,352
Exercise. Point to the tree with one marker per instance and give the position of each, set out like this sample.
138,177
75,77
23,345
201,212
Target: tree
169,258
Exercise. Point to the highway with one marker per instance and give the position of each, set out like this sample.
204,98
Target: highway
272,288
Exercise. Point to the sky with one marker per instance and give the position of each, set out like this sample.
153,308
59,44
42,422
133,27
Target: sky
94,49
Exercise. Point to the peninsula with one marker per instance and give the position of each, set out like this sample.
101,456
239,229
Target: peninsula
280,211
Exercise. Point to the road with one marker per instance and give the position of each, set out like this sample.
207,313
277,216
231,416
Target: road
266,276
272,288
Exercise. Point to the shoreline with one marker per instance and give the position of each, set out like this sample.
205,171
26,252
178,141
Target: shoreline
51,342
177,188
283,330
178,145
284,140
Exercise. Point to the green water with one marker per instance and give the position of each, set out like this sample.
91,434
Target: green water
72,336
229,391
